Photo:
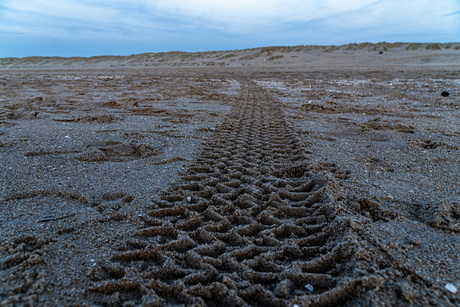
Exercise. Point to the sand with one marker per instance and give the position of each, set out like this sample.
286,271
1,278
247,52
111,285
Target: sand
276,185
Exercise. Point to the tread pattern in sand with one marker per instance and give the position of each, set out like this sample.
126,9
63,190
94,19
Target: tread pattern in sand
250,223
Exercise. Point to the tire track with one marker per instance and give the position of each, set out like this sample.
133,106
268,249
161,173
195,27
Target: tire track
251,223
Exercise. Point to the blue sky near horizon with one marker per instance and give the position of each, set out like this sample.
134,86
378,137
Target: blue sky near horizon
116,27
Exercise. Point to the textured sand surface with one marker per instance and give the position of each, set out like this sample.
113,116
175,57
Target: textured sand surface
267,186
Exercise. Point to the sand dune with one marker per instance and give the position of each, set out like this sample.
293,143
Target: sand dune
365,54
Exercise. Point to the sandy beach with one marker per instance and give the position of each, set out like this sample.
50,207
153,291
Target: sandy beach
309,176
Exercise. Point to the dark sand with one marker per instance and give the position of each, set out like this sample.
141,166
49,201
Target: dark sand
230,186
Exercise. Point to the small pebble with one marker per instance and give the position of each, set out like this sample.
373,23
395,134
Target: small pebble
445,94
415,242
309,287
451,288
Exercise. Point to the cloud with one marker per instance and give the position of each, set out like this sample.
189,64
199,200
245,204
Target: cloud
227,11
210,24
57,18
236,17
453,13
241,16
390,20
233,17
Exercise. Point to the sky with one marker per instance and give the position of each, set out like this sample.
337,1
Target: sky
123,27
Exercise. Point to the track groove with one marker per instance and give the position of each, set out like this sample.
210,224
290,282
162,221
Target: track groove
249,224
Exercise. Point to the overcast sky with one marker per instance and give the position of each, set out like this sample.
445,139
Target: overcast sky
123,27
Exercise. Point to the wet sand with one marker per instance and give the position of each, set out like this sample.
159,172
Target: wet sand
230,186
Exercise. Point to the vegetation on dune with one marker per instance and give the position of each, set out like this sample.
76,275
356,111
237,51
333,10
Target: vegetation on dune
413,46
227,56
433,47
275,57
